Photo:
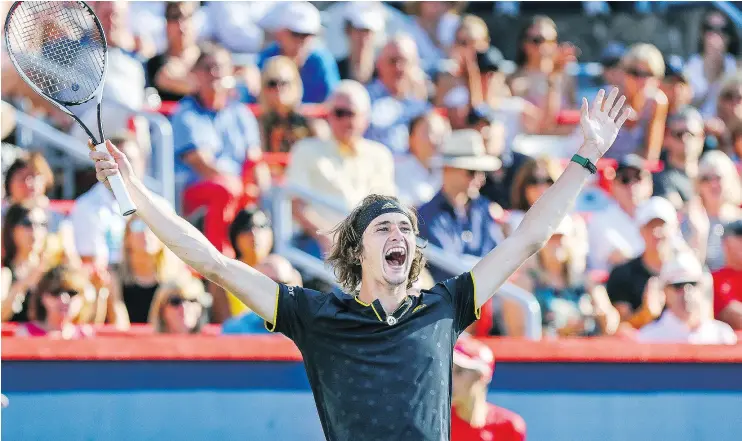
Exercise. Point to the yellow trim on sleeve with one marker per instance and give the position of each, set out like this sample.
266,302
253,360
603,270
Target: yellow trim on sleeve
477,311
275,311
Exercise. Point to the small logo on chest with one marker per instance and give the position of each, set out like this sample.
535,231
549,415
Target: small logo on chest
419,307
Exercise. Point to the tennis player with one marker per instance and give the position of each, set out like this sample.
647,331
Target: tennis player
379,358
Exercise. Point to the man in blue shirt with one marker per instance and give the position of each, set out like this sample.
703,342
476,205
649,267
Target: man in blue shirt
213,137
393,107
457,219
298,23
379,356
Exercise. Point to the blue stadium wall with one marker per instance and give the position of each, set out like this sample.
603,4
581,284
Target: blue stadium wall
258,400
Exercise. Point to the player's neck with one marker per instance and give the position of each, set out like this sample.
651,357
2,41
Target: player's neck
390,297
473,410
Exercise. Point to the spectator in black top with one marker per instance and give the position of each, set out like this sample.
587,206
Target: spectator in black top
637,301
683,146
171,73
361,26
676,86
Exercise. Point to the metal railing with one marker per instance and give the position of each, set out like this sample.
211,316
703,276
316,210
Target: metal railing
283,228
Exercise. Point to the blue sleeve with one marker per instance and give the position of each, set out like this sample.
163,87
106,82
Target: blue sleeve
461,292
187,133
323,70
252,129
295,310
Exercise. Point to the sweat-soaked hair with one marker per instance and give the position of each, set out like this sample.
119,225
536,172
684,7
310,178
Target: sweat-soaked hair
345,256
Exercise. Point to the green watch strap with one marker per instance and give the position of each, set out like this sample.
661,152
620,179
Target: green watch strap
585,163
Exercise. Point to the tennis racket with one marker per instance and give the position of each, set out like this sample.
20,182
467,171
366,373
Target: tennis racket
60,50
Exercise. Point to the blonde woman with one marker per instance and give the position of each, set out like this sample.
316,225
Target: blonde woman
643,70
720,190
179,308
281,122
728,117
145,265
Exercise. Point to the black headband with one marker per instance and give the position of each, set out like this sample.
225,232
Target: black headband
375,210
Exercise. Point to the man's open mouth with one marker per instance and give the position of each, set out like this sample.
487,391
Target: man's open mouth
396,256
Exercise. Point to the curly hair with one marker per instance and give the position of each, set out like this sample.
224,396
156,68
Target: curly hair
345,256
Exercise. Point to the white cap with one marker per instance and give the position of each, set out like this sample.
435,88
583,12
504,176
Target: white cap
684,267
464,149
299,17
456,97
656,208
365,17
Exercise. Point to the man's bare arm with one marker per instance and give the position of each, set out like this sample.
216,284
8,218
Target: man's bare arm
600,129
250,286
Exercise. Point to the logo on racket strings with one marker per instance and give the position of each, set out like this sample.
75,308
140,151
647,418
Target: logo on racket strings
75,87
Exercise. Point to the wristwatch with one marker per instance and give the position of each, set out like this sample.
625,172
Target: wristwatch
585,163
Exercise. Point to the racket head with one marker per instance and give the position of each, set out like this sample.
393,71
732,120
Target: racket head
59,49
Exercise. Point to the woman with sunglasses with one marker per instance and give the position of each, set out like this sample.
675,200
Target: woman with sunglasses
179,308
718,184
281,122
541,77
728,118
644,68
718,48
50,305
25,259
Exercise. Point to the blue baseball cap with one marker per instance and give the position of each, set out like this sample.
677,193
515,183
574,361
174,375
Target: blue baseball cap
612,54
675,69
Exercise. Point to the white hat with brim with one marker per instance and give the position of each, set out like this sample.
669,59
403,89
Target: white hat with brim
656,208
369,18
683,268
299,17
465,150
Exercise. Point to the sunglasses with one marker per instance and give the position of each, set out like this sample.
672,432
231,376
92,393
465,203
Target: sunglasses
731,96
299,35
538,40
177,301
637,73
26,222
680,134
61,292
343,113
275,83
538,180
709,178
629,178
707,27
682,285
178,17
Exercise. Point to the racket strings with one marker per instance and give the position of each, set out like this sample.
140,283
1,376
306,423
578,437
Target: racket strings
59,48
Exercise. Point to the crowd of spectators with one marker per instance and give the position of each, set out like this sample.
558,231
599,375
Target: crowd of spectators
434,115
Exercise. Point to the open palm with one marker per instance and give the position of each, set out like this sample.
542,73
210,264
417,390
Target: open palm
602,121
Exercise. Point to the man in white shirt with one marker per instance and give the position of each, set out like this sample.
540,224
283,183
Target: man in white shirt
417,175
613,233
687,317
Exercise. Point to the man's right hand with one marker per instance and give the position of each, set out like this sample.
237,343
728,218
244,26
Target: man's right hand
108,164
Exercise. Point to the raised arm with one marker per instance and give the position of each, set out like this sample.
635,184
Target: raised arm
250,286
599,128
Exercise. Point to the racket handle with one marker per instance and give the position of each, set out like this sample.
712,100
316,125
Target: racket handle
126,205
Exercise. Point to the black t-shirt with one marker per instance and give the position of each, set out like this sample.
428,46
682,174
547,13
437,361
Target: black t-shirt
153,66
281,133
673,180
497,186
376,377
138,300
627,281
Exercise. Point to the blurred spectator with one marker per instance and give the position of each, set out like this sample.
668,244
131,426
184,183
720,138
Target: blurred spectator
685,319
145,265
50,305
125,76
417,174
179,308
729,113
637,298
728,280
556,277
720,190
457,219
393,105
613,232
433,27
471,35
498,183
610,60
541,60
683,145
338,169
235,25
25,259
213,137
281,121
252,239
171,72
472,417
457,106
531,181
279,270
297,24
676,86
716,58
361,26
644,69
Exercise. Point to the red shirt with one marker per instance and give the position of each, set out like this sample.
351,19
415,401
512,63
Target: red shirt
501,425
727,287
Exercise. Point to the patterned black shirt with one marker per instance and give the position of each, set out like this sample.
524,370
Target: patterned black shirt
373,376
